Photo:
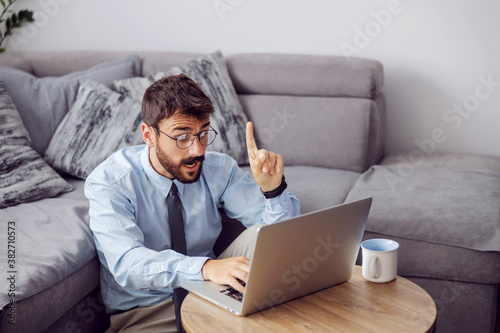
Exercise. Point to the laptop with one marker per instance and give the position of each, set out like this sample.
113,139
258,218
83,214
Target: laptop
293,258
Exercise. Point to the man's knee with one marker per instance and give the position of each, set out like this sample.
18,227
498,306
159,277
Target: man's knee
249,236
244,244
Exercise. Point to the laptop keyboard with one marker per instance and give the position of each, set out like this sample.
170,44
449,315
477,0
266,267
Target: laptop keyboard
233,293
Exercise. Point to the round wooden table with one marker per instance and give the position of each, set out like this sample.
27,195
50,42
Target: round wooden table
354,306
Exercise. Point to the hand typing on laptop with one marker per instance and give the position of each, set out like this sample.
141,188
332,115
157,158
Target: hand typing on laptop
227,271
267,170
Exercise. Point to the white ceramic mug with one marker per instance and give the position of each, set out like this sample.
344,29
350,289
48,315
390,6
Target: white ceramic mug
379,259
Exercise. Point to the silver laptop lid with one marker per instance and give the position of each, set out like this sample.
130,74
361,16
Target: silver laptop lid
304,254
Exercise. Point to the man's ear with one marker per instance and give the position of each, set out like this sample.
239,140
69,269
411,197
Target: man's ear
148,135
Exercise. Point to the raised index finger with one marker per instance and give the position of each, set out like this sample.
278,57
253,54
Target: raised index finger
251,145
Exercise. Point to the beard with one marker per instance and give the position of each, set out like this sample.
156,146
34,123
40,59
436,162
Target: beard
175,170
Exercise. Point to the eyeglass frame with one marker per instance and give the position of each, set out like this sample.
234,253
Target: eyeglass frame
194,135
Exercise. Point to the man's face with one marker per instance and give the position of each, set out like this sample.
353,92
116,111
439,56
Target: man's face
175,163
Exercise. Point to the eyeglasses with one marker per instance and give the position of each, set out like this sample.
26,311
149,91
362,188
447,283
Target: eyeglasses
184,141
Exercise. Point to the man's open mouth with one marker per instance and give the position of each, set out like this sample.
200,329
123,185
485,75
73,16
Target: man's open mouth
192,162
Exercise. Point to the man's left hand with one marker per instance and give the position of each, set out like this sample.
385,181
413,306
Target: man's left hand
267,167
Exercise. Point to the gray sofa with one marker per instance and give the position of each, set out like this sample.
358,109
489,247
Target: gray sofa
326,117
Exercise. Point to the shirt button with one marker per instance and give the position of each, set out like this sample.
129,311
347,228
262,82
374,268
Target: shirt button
190,268
162,268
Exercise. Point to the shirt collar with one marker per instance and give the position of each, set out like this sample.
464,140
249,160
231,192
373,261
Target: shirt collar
161,183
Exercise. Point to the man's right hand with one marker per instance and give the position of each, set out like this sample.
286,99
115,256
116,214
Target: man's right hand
227,271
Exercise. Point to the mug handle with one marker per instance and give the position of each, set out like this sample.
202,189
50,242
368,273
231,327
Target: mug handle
371,267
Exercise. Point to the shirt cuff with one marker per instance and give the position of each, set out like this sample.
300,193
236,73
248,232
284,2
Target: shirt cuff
280,204
190,268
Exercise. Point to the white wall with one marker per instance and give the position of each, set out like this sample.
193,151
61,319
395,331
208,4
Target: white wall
434,52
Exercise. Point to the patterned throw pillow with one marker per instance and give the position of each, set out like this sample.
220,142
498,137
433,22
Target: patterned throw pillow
99,123
43,102
211,74
24,175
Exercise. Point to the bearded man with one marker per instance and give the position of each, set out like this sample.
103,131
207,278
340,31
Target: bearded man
132,220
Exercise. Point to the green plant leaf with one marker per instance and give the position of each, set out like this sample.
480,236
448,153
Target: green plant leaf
15,20
25,15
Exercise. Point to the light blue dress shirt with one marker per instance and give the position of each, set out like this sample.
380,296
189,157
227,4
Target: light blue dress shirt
129,220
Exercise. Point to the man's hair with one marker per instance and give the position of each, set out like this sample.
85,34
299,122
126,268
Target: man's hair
171,94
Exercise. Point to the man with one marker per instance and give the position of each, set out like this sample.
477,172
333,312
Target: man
129,213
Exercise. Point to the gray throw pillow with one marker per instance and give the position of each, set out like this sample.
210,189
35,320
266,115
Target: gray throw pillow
43,102
211,74
99,123
12,130
24,175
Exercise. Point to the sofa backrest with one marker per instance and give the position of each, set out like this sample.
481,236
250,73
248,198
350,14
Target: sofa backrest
315,110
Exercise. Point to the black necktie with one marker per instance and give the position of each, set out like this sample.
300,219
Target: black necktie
178,240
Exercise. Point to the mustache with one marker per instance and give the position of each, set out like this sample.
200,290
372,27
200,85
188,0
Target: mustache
192,160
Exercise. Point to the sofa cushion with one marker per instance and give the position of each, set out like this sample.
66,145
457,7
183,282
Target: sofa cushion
53,238
305,75
43,102
317,188
38,312
24,175
441,209
405,162
347,132
210,73
420,258
99,123
446,205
